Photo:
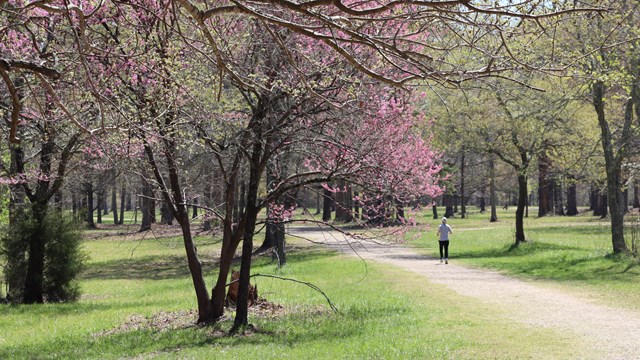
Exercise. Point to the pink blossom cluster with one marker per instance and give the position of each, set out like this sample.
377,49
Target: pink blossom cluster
383,154
27,177
280,212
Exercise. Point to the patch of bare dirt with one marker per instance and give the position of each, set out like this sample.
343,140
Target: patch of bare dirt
177,320
162,321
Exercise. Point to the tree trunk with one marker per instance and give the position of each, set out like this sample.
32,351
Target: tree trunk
105,206
166,215
434,208
195,208
593,198
318,211
522,202
613,164
34,281
463,206
492,190
89,194
250,215
636,195
456,201
572,200
99,203
545,188
123,195
280,236
327,204
448,206
356,206
557,198
145,205
343,203
603,209
206,224
114,201
129,205
74,204
597,203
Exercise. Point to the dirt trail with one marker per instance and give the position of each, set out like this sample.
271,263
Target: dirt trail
613,333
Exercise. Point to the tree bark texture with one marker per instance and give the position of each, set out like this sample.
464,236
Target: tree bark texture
123,195
327,205
522,202
88,186
463,206
492,190
114,201
343,202
545,187
613,164
572,200
145,205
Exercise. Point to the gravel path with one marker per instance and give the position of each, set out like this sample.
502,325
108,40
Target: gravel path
613,332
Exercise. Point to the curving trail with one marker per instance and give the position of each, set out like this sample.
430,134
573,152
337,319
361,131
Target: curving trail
613,333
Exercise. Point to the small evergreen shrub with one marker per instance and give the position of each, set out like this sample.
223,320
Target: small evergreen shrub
63,259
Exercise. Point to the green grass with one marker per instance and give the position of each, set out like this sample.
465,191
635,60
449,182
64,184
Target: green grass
384,313
573,252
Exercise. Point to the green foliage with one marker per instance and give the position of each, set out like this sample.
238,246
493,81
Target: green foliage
64,258
13,252
4,206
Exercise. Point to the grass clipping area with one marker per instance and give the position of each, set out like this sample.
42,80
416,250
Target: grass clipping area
138,302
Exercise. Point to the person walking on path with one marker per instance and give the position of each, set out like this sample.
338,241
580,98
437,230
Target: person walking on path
443,233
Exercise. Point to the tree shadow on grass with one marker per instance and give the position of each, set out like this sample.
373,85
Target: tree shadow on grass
525,249
569,264
577,230
147,267
163,267
61,309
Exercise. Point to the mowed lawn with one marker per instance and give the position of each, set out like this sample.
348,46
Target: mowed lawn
138,300
574,253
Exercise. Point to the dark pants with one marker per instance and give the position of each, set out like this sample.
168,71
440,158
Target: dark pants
444,245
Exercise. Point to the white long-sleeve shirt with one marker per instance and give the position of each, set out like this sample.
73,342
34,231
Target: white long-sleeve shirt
444,230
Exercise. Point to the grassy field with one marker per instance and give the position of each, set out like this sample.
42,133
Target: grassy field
572,252
138,296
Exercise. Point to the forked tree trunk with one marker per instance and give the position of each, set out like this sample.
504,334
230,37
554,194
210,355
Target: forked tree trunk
250,215
613,165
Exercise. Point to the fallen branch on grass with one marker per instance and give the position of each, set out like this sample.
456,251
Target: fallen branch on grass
314,287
